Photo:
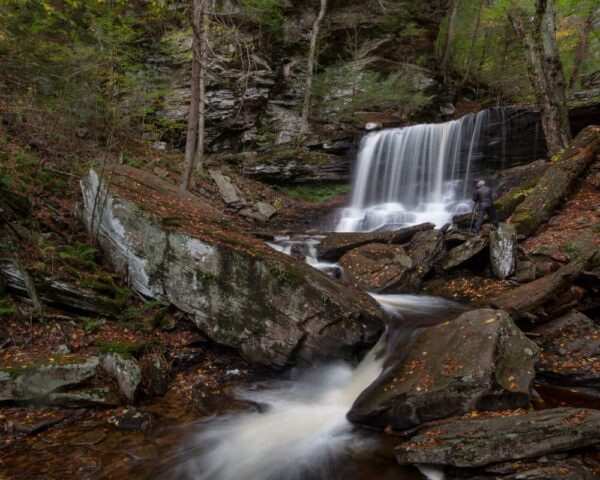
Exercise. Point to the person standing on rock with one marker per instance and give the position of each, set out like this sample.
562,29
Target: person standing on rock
484,199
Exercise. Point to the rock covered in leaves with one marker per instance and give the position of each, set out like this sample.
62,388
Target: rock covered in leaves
479,361
377,267
336,245
570,353
483,440
241,293
384,268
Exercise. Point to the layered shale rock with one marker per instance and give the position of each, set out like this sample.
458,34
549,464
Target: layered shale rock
272,308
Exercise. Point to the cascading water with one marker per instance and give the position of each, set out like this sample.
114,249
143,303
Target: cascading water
417,174
301,430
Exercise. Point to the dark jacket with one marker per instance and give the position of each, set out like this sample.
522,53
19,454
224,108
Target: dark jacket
483,196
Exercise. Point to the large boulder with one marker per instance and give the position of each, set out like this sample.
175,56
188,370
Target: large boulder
479,441
384,268
465,252
570,353
503,250
126,371
273,309
377,267
336,245
480,361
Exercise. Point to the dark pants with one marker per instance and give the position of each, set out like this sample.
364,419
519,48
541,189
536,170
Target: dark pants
491,213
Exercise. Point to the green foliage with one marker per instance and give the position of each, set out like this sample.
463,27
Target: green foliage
269,13
123,348
6,309
340,90
314,193
80,255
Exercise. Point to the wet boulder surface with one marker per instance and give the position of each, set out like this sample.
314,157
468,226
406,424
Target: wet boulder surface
170,245
384,268
503,250
570,353
480,361
476,442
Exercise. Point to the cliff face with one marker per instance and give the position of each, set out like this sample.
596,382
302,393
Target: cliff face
254,95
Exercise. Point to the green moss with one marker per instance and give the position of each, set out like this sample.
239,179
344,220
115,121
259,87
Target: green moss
524,222
125,348
171,222
105,285
314,193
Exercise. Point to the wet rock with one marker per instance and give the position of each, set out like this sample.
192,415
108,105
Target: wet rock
126,371
231,195
570,353
335,245
454,238
425,249
480,361
131,419
525,271
543,296
237,290
475,442
377,267
36,383
503,250
156,375
210,397
329,168
88,439
464,252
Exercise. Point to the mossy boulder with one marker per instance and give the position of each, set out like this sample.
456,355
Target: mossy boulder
273,309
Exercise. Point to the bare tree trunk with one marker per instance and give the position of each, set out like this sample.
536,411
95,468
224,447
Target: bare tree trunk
194,113
545,72
582,47
202,38
312,53
473,41
449,35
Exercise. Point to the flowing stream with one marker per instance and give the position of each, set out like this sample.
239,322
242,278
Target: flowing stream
300,430
417,174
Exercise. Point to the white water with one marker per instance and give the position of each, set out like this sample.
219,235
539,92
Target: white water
301,431
406,176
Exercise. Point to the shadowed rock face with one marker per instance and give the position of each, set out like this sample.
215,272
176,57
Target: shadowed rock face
480,361
477,442
273,309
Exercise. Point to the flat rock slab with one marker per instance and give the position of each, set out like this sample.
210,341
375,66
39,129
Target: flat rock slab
38,382
231,195
273,309
480,361
475,442
464,252
570,352
336,245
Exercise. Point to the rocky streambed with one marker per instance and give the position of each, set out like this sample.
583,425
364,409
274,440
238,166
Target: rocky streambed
272,346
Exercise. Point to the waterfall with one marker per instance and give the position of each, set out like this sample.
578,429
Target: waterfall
417,174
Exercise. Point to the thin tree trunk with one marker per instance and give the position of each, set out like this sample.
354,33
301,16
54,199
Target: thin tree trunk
473,41
449,35
545,72
194,113
486,39
312,53
582,47
199,156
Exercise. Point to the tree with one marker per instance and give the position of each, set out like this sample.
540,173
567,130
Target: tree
473,41
310,67
449,35
582,44
194,145
544,66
